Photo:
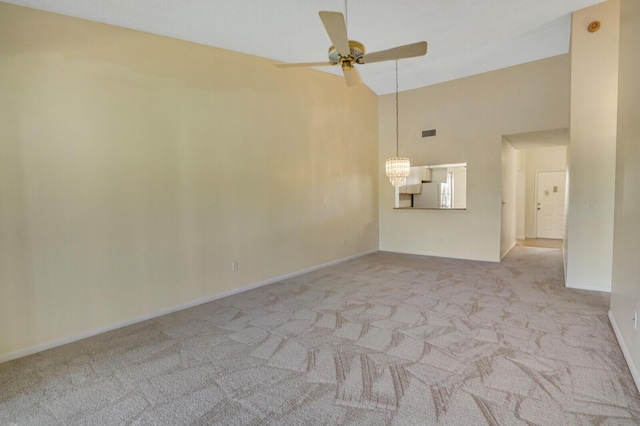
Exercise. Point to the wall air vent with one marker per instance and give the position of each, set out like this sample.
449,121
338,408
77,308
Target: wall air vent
427,133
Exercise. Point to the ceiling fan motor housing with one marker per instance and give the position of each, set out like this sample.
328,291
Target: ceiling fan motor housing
356,52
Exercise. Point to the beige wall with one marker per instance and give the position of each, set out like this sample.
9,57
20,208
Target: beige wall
135,168
539,159
625,288
592,147
470,116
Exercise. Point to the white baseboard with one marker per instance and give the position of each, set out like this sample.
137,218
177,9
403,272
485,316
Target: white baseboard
39,348
625,351
508,251
576,287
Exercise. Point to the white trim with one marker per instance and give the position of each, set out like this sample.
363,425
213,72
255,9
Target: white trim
508,251
564,262
600,289
625,351
39,348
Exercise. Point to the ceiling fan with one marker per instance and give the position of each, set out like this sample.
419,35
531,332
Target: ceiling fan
347,52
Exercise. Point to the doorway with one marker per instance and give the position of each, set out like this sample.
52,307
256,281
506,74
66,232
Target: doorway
523,156
550,196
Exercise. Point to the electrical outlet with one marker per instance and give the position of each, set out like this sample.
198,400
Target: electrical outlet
344,242
635,320
234,265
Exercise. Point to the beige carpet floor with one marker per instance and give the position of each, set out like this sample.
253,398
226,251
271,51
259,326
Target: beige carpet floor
383,339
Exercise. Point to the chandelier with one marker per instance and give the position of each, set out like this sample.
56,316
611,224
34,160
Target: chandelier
397,168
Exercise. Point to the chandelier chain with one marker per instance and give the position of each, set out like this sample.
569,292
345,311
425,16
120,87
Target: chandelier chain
397,109
397,168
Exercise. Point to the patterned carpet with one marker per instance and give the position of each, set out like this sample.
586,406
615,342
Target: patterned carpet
383,339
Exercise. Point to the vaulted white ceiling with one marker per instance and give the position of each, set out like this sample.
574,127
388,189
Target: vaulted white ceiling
466,37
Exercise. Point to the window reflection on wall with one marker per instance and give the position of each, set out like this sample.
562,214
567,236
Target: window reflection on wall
442,186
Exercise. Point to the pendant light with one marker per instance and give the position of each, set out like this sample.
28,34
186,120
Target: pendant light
397,168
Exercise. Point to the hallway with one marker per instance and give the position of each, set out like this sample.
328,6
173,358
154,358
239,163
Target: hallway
540,242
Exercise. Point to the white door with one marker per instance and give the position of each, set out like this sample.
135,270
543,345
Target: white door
550,204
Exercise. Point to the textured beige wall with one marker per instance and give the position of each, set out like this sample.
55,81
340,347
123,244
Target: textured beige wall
135,168
592,147
625,288
471,115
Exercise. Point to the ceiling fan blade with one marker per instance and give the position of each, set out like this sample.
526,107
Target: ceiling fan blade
395,53
336,28
304,64
352,76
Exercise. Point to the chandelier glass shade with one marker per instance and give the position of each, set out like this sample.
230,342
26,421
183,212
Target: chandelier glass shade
397,169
